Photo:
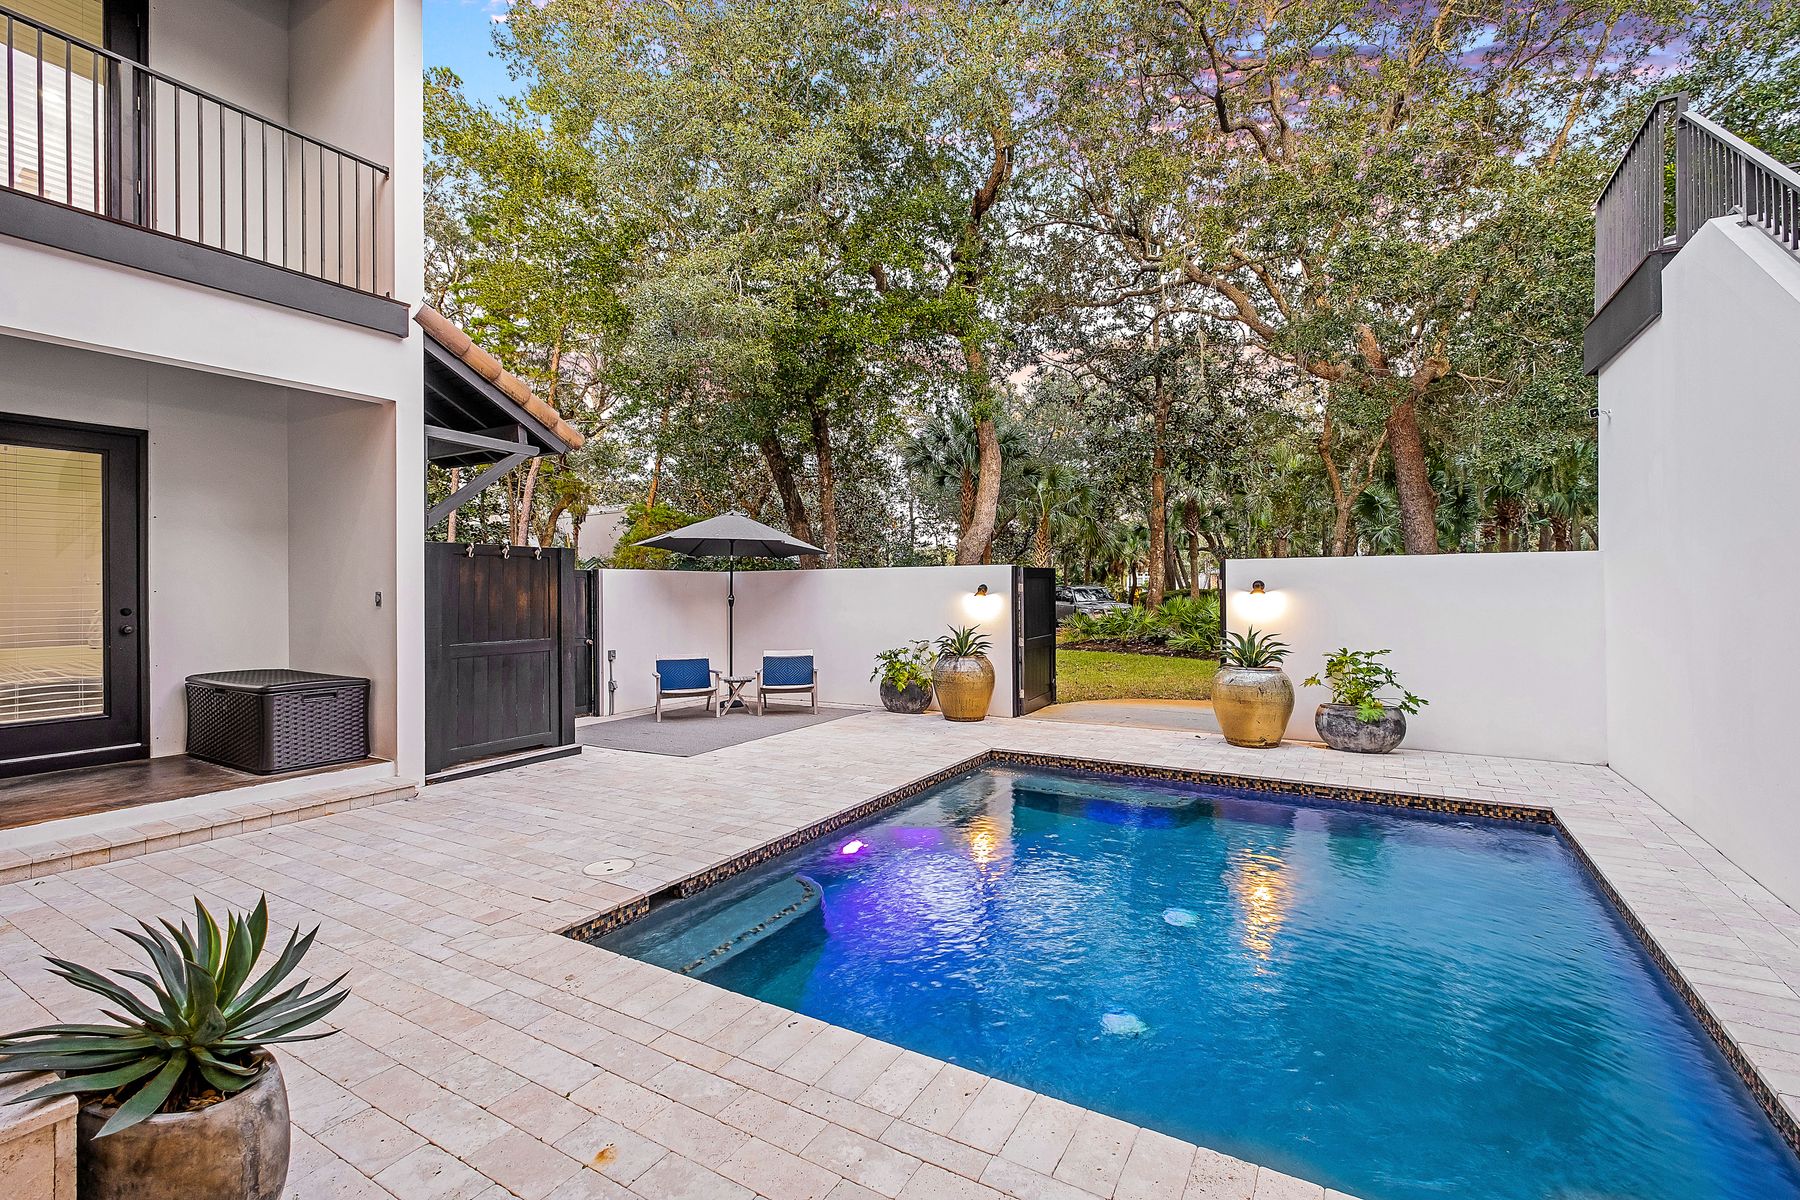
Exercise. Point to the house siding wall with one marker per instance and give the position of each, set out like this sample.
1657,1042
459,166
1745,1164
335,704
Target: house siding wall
1700,420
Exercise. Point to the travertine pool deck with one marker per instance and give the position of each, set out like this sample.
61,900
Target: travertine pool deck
485,1055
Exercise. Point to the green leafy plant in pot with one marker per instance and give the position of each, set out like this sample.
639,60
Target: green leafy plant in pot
181,1096
962,675
1251,695
905,675
1359,719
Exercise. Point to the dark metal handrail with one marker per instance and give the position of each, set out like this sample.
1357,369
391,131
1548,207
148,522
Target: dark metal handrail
1645,207
91,129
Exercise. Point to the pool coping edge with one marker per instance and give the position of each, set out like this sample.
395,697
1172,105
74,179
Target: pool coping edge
1766,1097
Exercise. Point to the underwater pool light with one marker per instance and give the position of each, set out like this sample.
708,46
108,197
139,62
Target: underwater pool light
853,846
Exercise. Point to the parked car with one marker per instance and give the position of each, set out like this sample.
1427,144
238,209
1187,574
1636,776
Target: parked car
1089,599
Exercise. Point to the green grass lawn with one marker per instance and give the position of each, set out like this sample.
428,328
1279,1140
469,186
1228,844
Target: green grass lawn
1104,675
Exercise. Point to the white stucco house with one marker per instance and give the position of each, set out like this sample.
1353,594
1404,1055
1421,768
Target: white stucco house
211,438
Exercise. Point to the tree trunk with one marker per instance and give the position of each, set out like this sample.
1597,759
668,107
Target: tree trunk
1159,468
978,539
1040,542
1159,532
828,527
1216,548
521,515
793,505
455,482
1412,479
1190,520
656,464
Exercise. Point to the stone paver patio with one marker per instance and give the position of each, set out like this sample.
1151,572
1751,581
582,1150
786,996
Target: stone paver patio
485,1055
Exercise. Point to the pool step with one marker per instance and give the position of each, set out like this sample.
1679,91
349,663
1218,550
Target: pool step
718,936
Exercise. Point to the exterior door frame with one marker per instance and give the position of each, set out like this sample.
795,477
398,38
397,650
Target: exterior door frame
54,745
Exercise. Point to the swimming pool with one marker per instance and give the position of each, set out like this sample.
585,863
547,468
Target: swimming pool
1395,1003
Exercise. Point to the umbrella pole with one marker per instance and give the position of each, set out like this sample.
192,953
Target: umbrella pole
731,616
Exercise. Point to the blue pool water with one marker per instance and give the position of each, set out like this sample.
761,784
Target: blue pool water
1399,1005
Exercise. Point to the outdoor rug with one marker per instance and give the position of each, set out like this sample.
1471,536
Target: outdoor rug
685,733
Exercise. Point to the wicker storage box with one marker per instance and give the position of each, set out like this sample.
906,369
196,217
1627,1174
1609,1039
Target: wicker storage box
280,720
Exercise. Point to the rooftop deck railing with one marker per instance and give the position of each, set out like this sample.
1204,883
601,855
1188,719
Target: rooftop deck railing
1646,206
92,130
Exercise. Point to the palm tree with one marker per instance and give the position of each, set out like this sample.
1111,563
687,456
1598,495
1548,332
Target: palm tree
1055,496
1132,546
946,455
1567,490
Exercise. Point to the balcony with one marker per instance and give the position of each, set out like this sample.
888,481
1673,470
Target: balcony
1679,171
109,158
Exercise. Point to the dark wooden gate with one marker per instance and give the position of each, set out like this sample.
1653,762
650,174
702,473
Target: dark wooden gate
587,668
1034,600
501,634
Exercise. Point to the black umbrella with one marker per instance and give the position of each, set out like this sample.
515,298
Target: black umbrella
730,535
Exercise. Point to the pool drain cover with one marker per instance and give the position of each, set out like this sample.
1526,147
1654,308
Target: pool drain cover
609,866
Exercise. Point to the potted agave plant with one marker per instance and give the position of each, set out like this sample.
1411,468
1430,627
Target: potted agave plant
963,676
1251,695
1358,719
905,675
181,1096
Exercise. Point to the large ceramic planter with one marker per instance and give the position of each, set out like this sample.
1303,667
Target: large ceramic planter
965,686
1340,728
234,1150
1253,705
913,698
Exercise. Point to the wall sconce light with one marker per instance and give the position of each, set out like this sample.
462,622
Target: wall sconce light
982,605
1259,605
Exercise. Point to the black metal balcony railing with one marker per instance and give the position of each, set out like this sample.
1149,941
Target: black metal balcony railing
1645,207
91,130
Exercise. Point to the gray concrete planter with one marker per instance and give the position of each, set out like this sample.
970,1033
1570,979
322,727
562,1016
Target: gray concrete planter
1340,728
236,1149
913,698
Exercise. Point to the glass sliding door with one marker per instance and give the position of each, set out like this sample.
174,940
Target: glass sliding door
70,596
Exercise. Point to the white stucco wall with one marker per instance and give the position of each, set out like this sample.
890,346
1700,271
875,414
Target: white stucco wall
1701,419
217,552
341,543
844,617
237,49
1508,648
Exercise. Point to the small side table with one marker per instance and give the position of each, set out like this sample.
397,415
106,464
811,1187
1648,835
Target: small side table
737,684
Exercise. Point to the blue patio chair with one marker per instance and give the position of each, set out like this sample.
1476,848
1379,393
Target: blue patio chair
787,673
686,679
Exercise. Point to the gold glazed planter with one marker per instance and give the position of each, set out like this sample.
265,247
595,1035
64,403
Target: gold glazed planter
964,686
1253,705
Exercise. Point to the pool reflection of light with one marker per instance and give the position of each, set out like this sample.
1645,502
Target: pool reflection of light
1263,889
986,844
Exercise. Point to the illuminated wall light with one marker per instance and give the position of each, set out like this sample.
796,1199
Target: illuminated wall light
1258,606
982,605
